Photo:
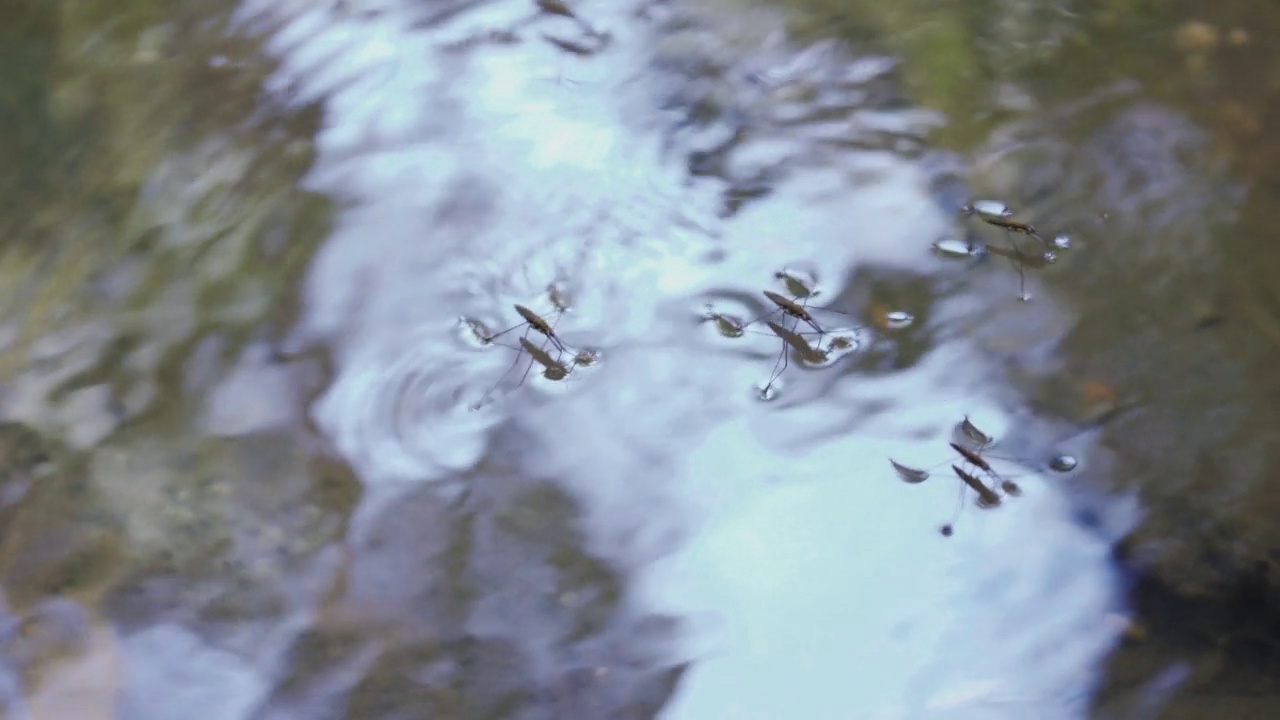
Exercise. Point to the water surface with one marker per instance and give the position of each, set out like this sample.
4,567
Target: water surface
253,375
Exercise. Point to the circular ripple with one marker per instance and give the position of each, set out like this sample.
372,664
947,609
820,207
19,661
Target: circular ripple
411,417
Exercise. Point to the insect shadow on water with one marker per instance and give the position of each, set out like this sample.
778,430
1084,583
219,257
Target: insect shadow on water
554,367
971,446
825,345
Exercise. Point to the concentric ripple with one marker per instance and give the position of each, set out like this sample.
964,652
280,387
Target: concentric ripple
410,418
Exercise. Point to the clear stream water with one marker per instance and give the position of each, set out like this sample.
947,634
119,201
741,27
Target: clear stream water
407,530
808,581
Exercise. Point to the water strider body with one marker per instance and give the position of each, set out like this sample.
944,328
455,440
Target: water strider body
972,476
553,367
816,351
794,309
1011,225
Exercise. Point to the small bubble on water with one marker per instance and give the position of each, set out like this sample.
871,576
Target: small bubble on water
953,247
765,393
559,298
971,433
839,344
730,326
898,319
1063,463
1062,242
800,283
992,208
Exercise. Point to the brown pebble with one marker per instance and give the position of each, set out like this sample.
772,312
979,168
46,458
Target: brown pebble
1240,119
1195,36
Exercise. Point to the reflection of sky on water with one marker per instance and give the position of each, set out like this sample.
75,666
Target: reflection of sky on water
837,598
815,583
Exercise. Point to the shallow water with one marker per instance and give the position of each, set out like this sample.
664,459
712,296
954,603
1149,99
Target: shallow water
306,490
763,527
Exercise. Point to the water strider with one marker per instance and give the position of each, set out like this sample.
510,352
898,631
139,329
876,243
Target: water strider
974,457
972,446
810,354
824,346
553,368
1008,224
795,307
1000,215
532,321
987,495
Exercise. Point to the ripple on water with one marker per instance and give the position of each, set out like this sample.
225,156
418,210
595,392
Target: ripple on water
409,418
